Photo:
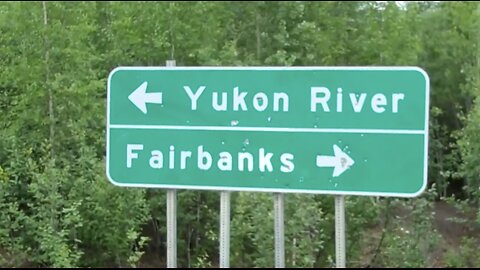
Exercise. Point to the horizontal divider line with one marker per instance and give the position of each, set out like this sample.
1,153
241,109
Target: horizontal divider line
272,129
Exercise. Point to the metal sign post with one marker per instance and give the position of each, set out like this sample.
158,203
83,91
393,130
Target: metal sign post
340,231
225,229
171,216
171,228
279,202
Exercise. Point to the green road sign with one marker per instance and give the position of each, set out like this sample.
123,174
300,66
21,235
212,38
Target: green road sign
328,130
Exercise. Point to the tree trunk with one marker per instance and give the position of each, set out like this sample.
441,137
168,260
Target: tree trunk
51,113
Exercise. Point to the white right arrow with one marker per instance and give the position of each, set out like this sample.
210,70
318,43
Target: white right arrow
341,161
140,98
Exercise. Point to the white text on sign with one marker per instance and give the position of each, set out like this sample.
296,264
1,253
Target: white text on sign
321,98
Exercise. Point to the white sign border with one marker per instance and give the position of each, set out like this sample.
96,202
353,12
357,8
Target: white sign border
274,190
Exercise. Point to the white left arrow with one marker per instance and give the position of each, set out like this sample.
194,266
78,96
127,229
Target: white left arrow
140,98
341,161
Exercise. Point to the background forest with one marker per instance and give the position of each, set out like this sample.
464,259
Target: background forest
57,208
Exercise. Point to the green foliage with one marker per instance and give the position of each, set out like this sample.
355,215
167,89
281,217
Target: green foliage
466,256
57,208
410,238
253,235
